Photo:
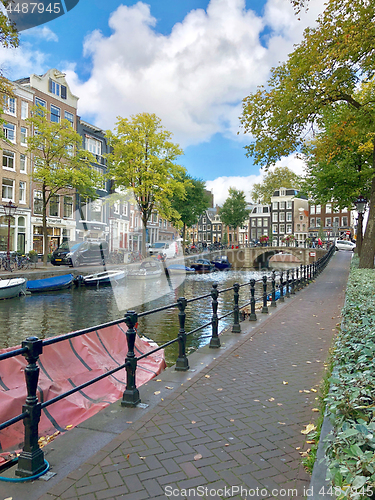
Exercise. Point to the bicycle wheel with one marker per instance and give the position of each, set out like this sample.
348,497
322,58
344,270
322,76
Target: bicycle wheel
25,264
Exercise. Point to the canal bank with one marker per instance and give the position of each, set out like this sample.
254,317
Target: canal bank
233,420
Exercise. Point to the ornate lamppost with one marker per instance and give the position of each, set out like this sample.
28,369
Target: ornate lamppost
360,204
9,210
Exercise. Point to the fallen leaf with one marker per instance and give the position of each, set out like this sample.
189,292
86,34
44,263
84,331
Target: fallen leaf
279,404
309,428
285,383
281,423
305,390
142,458
312,441
321,328
129,422
313,390
315,409
220,389
168,387
68,427
226,444
309,362
257,400
156,393
198,457
207,376
271,399
298,448
232,420
127,456
158,380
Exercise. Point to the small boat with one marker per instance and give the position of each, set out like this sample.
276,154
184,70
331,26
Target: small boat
180,269
222,263
203,266
147,270
50,284
12,287
104,278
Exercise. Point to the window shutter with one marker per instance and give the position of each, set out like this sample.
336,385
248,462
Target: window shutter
63,92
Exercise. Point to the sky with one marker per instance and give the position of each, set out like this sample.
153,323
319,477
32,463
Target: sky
191,62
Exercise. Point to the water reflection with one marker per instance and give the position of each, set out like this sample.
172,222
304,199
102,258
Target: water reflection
55,313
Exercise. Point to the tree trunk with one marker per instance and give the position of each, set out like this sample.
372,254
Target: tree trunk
183,238
366,259
359,234
144,235
45,236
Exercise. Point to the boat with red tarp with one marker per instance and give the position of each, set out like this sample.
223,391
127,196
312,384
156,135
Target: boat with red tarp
65,365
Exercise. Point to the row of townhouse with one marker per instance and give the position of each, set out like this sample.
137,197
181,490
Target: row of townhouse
69,217
288,214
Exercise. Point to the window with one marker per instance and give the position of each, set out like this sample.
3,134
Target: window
344,221
275,205
289,216
336,221
312,221
22,192
101,182
265,231
23,163
54,206
68,206
54,87
38,202
318,222
93,145
24,110
23,136
303,227
8,189
265,222
282,192
282,205
8,160
312,209
10,105
318,209
289,205
274,228
116,207
10,132
298,227
282,217
259,222
265,210
328,208
40,103
289,228
69,116
253,222
274,217
282,229
125,211
55,114
328,221
300,217
96,210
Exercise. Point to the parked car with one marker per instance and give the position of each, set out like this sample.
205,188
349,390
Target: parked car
167,248
345,245
71,253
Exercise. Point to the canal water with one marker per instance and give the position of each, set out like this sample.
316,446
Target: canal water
54,313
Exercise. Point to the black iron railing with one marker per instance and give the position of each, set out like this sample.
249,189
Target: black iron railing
281,285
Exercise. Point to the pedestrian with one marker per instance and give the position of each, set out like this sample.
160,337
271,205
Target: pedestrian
320,243
313,242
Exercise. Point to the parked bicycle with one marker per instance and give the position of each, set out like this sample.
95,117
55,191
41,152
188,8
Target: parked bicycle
7,263
21,262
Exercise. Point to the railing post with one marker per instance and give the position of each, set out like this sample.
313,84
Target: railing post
273,294
130,396
264,308
287,284
236,328
31,459
297,287
253,316
281,298
215,341
293,291
302,277
182,362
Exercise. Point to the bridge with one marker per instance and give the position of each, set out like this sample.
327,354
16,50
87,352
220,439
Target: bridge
258,257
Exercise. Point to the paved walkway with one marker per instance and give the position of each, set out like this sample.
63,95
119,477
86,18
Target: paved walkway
228,428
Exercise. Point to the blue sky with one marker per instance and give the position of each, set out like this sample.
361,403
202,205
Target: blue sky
188,61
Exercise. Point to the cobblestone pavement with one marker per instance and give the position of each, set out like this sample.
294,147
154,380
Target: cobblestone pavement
234,429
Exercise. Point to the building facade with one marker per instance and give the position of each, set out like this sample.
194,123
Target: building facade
285,210
330,222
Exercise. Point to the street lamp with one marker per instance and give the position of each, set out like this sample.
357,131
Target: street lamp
9,210
360,204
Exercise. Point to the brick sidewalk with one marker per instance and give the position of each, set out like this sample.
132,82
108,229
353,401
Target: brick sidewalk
236,423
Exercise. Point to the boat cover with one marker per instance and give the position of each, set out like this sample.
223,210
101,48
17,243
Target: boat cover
65,365
52,283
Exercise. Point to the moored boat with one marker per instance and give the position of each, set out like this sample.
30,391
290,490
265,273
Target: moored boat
50,284
12,287
222,263
104,278
149,269
203,266
180,269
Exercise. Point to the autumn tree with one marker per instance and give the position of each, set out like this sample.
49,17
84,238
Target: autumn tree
324,70
143,159
192,203
273,180
59,163
234,213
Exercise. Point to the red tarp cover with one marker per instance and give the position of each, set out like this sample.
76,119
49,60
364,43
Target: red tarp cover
65,365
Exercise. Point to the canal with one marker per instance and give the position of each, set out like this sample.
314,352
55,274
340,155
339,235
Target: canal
55,313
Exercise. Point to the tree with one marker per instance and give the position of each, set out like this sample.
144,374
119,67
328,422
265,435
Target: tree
233,213
324,70
59,163
273,180
143,159
192,203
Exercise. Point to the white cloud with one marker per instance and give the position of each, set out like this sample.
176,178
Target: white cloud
193,78
17,63
44,33
220,186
